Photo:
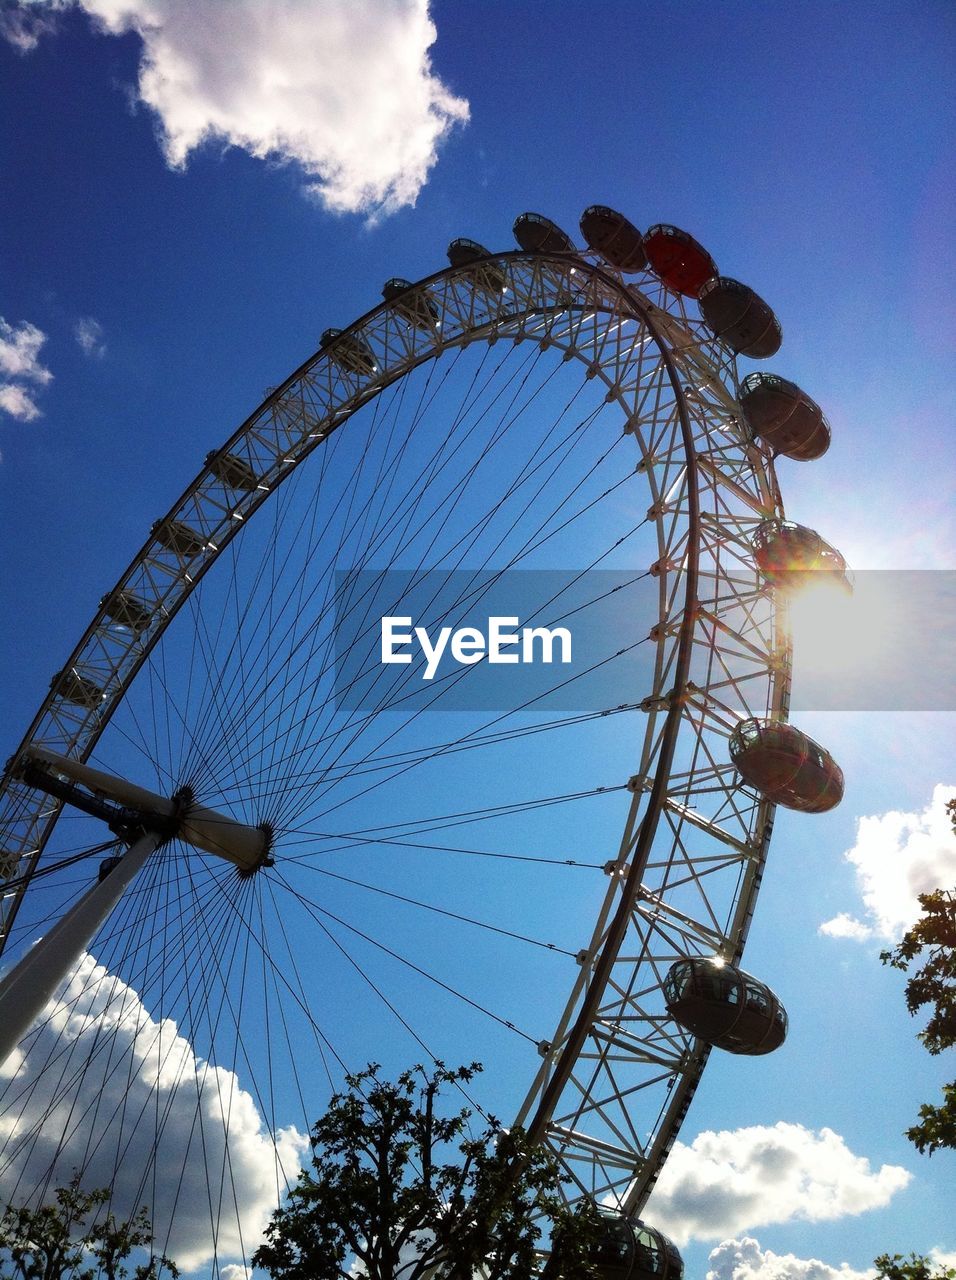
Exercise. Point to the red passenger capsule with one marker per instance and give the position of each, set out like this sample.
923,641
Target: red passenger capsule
783,416
790,556
739,318
786,766
684,265
724,1006
537,234
617,241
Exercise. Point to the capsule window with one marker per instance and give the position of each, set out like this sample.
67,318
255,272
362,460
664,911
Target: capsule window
757,999
647,1252
709,983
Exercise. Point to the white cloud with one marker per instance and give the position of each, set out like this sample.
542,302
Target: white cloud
89,334
92,1080
846,926
11,1064
20,352
20,361
18,402
897,856
737,1180
23,27
344,88
745,1260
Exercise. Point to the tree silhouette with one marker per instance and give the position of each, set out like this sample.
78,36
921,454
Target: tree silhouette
70,1239
397,1186
933,939
915,1267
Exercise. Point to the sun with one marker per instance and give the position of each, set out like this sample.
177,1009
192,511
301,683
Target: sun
848,646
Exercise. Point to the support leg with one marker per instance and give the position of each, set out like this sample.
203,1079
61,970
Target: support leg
28,986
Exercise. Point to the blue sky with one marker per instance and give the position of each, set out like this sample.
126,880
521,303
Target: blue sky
152,289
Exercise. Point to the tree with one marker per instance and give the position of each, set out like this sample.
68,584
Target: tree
59,1241
934,985
397,1186
915,1267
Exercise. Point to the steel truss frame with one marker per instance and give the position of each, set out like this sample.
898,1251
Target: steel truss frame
617,1076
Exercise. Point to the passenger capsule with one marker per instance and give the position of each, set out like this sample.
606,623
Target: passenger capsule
348,351
783,416
127,610
412,305
79,690
462,252
235,473
611,235
739,318
629,1250
178,537
487,275
684,265
108,865
786,766
724,1006
789,556
537,234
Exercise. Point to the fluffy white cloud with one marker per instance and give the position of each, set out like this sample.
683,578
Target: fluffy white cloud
745,1260
89,334
897,856
846,926
737,1180
20,361
92,1081
18,402
342,87
20,352
235,1271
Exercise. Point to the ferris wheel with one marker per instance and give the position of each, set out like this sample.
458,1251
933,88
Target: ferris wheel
258,860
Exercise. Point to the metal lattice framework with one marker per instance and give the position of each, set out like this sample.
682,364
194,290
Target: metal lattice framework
616,1077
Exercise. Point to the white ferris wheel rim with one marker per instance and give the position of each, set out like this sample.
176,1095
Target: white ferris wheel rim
709,485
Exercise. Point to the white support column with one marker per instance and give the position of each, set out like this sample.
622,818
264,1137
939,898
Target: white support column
28,986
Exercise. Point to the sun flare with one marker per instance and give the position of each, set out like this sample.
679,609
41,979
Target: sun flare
853,648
